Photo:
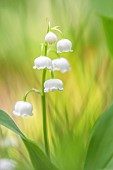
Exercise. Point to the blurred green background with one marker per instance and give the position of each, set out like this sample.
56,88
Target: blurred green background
88,87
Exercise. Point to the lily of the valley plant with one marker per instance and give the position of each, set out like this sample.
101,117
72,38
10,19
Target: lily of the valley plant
43,62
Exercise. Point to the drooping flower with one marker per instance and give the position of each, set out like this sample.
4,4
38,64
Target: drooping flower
23,108
51,38
53,84
42,62
7,164
64,45
61,64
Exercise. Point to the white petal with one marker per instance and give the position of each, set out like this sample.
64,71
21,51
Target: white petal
53,84
61,64
23,109
51,38
64,45
42,62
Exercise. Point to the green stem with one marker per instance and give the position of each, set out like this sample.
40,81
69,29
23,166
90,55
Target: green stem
53,51
52,74
44,111
46,46
49,27
44,115
29,91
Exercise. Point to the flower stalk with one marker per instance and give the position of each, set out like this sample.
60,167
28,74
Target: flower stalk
44,111
52,74
43,62
29,91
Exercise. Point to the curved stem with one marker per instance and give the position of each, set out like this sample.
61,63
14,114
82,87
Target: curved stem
29,91
58,30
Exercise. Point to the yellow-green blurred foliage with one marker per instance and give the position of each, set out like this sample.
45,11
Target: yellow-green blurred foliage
87,87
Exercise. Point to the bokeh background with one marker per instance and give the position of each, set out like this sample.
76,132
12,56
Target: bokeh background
88,87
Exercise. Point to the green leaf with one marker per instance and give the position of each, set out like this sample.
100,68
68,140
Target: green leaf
39,161
100,150
108,29
38,158
103,7
6,121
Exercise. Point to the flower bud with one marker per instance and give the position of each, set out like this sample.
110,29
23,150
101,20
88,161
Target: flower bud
51,38
53,84
23,108
42,62
64,45
61,64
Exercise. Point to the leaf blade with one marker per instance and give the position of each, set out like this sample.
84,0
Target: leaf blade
103,7
100,150
38,158
6,121
108,30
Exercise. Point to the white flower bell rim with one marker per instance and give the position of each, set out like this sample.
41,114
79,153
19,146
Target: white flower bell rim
42,62
64,45
61,64
51,38
53,84
23,108
7,164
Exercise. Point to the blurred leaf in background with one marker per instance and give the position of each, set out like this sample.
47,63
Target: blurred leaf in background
100,149
104,8
108,28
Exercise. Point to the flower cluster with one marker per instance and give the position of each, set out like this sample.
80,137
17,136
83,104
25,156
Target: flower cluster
43,62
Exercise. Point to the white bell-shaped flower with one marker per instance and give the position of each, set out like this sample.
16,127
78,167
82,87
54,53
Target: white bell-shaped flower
51,38
23,108
61,64
42,62
53,84
7,164
64,45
